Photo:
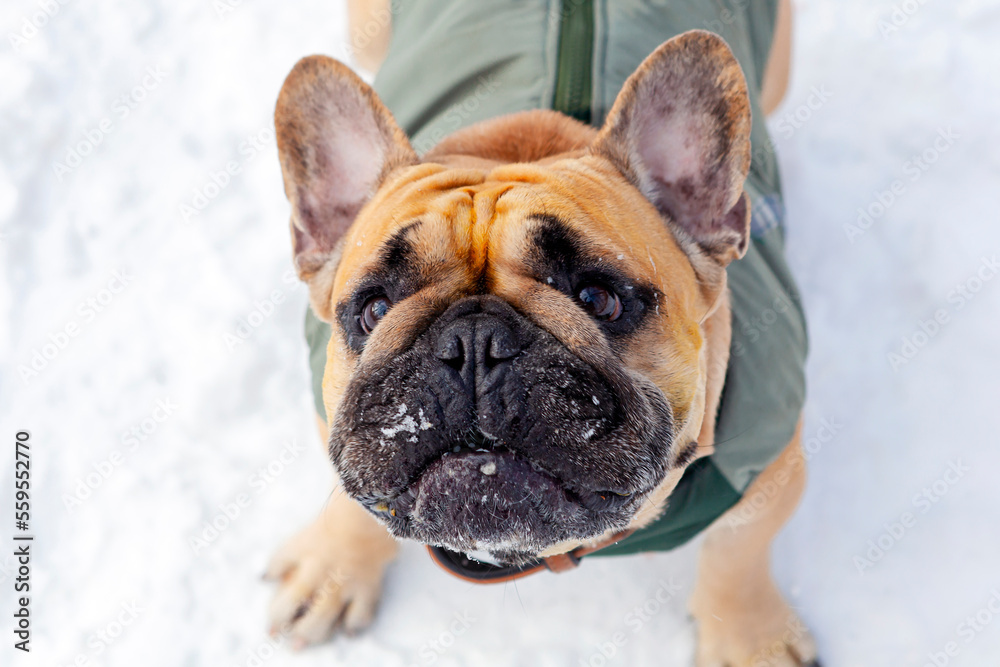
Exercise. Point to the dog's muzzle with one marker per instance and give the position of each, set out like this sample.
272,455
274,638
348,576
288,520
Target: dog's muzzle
522,444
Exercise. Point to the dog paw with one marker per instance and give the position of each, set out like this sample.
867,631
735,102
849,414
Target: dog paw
772,635
329,575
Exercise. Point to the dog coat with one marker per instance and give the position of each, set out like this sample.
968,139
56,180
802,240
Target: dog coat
452,63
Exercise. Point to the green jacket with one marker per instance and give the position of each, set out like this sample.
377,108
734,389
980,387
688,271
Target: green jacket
453,63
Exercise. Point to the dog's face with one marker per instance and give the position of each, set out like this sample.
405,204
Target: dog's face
517,361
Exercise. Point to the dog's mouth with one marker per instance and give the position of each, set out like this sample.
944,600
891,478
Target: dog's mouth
489,435
483,497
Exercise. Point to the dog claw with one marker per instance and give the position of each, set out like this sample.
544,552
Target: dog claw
323,573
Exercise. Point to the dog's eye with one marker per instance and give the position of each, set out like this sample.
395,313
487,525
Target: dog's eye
374,310
600,302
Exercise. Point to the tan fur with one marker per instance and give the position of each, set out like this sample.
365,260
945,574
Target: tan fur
475,196
369,29
743,620
529,136
329,571
494,209
776,75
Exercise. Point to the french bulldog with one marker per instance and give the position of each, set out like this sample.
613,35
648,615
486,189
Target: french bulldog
531,331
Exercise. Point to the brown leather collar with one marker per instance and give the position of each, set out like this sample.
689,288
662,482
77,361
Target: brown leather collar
466,568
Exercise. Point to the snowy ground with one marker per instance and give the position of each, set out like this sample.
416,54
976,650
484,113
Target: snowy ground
170,93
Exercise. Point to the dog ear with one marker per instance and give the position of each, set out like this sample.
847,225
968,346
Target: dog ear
337,143
680,132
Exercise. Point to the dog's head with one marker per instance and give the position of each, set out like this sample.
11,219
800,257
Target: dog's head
518,359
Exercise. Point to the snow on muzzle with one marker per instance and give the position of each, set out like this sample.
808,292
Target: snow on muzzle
499,502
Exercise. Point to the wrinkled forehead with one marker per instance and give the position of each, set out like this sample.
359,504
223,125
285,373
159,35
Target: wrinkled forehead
434,220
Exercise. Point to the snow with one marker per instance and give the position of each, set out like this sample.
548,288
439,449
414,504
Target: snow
177,394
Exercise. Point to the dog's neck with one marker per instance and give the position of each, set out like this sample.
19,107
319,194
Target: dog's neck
534,136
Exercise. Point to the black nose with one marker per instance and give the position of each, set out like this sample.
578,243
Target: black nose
476,341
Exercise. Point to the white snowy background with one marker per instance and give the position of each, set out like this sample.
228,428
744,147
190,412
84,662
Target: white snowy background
865,101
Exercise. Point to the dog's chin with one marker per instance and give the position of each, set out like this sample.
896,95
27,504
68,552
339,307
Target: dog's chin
497,502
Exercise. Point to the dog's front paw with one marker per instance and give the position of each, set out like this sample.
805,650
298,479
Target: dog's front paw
769,634
330,574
